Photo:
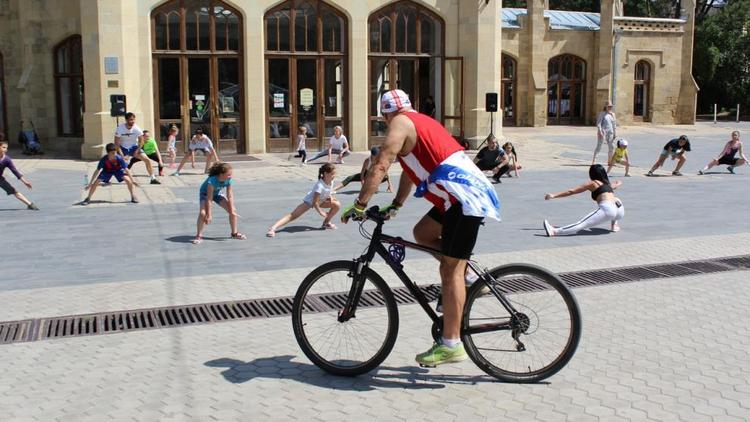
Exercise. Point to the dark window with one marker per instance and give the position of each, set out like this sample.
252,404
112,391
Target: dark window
566,88
68,74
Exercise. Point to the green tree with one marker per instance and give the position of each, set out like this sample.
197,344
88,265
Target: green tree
721,58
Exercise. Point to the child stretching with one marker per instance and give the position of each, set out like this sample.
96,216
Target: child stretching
213,189
366,165
6,162
321,196
110,165
620,156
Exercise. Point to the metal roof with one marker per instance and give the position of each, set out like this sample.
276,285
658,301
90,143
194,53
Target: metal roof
558,19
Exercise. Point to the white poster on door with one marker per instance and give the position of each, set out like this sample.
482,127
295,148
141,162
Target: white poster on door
306,98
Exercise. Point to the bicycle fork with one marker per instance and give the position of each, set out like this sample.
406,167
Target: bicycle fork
355,291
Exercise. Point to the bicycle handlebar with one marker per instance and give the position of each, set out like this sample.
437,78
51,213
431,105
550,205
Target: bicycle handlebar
373,213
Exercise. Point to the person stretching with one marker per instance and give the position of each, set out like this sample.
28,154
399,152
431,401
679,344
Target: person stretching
6,162
217,188
110,165
610,207
620,157
676,148
366,165
321,196
727,156
151,149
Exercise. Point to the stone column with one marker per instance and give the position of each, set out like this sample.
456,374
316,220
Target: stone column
603,66
536,71
688,100
480,35
109,28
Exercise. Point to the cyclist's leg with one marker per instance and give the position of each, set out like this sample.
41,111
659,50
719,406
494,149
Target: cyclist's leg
428,230
454,295
457,239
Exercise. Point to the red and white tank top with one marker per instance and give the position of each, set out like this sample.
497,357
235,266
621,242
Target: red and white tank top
434,145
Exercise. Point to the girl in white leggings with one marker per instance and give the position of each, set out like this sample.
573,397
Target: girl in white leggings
610,207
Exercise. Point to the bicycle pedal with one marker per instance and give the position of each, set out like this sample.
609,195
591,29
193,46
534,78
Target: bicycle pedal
427,366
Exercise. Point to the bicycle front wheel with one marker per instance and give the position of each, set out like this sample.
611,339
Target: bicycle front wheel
344,346
535,343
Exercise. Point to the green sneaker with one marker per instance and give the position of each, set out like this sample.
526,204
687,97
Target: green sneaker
440,354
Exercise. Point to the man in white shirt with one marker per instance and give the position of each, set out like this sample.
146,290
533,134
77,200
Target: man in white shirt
129,141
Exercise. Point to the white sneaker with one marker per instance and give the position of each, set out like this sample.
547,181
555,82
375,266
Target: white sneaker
549,229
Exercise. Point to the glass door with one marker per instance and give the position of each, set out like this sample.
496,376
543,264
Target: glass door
280,133
454,91
333,96
199,97
228,105
307,110
169,100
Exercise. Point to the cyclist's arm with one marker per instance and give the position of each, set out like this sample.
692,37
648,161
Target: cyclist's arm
394,142
404,189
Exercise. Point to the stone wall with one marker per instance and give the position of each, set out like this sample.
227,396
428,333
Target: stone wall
31,30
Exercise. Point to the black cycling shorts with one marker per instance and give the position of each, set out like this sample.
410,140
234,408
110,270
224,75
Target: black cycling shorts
728,160
459,234
7,187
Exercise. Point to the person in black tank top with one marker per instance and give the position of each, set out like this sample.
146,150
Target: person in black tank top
728,155
602,191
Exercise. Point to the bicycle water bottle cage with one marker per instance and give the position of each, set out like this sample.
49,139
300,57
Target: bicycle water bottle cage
397,252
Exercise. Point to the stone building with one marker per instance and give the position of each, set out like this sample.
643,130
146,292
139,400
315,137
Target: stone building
249,72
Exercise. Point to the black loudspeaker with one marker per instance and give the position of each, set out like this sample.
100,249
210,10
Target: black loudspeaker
490,102
117,105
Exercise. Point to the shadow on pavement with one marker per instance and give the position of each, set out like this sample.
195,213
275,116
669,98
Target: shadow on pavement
282,367
189,239
297,229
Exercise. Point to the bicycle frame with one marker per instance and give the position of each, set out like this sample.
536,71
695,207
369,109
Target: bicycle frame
377,242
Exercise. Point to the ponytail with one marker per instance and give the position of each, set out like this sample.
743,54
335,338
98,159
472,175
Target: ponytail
325,168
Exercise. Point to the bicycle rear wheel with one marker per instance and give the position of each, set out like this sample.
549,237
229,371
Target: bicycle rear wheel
354,345
547,326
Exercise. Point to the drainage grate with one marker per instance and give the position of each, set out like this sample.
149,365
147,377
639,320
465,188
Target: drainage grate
16,331
179,316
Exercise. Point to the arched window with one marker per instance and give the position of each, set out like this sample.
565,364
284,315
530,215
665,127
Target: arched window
641,97
406,52
566,89
306,56
3,117
509,90
68,75
197,51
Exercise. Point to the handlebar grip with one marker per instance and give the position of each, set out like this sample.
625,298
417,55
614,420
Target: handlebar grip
373,213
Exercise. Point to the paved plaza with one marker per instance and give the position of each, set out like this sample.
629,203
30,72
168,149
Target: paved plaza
670,349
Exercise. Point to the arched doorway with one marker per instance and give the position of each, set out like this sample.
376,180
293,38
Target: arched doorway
566,90
508,81
197,59
3,116
407,52
642,97
306,59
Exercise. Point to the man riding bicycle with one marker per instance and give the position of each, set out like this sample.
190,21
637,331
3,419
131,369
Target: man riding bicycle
462,196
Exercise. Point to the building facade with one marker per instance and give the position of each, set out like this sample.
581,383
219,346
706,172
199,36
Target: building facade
250,72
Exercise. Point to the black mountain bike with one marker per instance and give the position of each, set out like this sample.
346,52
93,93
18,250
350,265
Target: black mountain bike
520,322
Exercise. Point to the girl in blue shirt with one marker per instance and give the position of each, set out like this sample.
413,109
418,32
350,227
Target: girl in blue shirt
217,188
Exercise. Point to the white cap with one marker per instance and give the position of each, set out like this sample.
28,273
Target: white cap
622,142
393,101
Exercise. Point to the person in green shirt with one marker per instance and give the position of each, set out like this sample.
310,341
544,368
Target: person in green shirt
151,149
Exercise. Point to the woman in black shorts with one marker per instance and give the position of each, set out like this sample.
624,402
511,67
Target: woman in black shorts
728,155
